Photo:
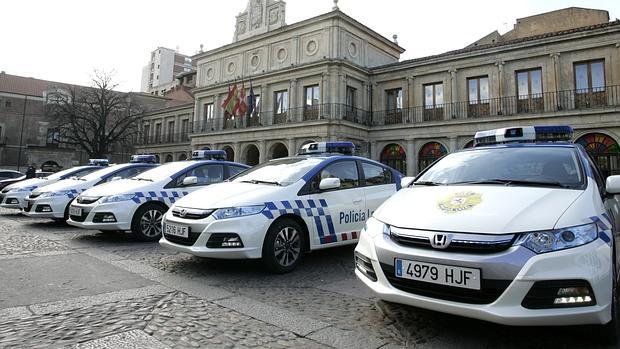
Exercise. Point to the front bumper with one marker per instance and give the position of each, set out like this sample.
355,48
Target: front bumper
13,200
590,262
57,204
123,212
251,230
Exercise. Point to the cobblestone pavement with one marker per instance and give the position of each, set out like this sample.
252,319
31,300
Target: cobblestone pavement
319,305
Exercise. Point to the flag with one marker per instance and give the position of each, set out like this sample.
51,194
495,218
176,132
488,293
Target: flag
230,101
243,107
251,101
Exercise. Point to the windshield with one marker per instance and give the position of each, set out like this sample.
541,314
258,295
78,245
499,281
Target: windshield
280,172
100,173
164,171
60,174
537,165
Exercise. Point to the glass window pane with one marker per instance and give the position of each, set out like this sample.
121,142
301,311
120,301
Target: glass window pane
598,75
473,90
536,81
438,94
345,170
522,85
399,99
484,89
376,175
428,96
581,76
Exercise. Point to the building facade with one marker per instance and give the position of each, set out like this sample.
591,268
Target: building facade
159,75
332,78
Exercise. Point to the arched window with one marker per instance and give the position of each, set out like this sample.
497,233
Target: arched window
469,144
182,157
230,153
279,150
604,150
169,158
430,152
394,156
252,155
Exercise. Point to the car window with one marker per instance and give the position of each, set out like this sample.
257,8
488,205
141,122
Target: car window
126,173
376,175
597,175
85,171
206,174
346,171
235,170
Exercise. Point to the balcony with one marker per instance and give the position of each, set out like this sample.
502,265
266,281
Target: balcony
170,138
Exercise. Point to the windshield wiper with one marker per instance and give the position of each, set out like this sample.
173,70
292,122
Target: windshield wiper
142,179
429,183
256,181
516,182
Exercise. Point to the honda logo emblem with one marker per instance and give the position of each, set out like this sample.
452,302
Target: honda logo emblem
183,213
440,241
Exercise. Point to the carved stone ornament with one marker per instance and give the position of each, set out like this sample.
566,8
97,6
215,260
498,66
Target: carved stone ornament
273,16
259,17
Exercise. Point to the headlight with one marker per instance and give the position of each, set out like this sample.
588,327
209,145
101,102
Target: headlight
233,212
49,194
558,239
117,198
374,227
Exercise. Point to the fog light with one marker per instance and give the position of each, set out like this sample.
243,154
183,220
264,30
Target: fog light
108,218
44,208
232,242
12,202
572,300
224,240
573,295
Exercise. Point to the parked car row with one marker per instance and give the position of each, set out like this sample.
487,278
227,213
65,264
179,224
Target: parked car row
519,230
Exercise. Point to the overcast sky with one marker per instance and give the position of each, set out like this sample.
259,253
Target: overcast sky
65,40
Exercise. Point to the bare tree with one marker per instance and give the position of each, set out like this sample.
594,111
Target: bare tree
94,118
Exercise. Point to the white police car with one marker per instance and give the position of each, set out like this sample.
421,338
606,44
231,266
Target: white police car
14,195
139,203
280,209
53,201
518,230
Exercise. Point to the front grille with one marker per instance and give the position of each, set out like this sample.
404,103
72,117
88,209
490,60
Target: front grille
489,291
190,213
192,237
87,200
463,243
80,218
363,264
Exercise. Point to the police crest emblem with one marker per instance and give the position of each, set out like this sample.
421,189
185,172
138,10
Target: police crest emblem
460,201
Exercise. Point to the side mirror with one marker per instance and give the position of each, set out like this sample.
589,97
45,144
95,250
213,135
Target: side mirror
405,181
115,179
612,186
191,180
329,183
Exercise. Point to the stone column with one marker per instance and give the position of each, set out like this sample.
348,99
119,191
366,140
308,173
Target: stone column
293,105
292,147
237,149
265,106
197,117
262,151
452,144
411,157
448,112
500,78
218,114
374,153
556,71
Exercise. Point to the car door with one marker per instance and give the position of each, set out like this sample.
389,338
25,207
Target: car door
379,184
205,174
341,212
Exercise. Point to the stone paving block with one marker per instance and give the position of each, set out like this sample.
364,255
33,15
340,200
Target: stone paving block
14,313
285,319
193,287
348,287
138,268
87,301
338,338
100,254
135,339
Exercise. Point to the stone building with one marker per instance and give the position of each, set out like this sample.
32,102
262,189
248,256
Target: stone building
333,78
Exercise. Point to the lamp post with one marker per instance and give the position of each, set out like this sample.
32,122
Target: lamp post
21,135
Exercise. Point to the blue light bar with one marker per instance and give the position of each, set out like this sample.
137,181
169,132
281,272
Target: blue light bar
346,148
524,134
98,162
209,155
149,159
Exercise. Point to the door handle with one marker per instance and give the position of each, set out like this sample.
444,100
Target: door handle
357,202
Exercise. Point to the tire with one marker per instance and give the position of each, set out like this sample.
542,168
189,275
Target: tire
146,222
610,332
283,247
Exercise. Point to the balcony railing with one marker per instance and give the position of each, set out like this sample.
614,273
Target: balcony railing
535,104
169,138
548,102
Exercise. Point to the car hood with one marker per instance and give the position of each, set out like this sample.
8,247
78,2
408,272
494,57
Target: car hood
230,194
121,186
67,184
29,183
486,209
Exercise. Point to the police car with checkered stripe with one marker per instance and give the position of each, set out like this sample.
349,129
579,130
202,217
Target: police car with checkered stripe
282,208
138,204
14,195
53,201
521,230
